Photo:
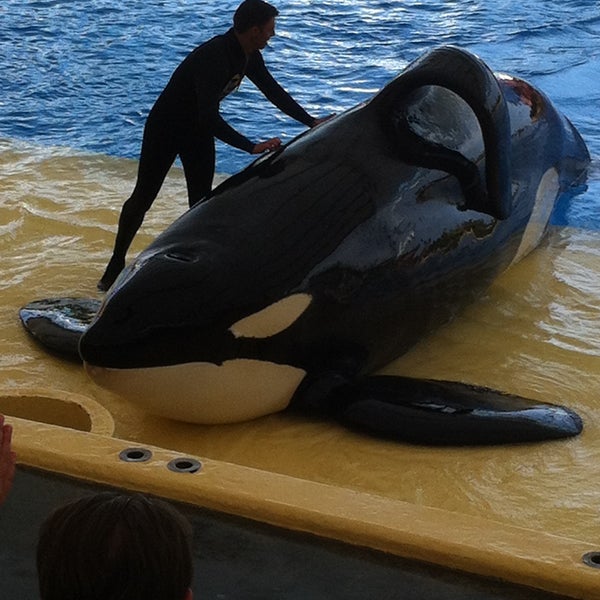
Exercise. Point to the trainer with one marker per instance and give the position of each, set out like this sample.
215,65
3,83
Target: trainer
185,119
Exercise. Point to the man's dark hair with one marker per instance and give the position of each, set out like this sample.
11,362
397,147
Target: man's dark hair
252,13
115,546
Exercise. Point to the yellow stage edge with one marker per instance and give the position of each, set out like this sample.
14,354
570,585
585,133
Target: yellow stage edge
523,556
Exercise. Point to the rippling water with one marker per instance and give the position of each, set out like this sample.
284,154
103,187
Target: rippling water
84,73
77,78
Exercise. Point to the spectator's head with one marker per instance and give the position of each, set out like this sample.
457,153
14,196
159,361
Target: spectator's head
115,546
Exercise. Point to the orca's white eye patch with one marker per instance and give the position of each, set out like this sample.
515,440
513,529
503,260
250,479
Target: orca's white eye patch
273,319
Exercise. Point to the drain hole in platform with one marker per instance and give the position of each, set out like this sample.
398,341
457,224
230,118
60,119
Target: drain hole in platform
592,559
135,455
184,465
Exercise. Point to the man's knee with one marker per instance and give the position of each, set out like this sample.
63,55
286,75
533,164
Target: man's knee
140,200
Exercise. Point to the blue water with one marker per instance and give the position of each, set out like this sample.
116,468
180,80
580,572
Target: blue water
84,73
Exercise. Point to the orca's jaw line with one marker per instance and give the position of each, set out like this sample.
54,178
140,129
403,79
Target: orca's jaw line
205,393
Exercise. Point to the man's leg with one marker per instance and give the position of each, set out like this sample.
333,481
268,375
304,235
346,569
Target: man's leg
199,167
156,159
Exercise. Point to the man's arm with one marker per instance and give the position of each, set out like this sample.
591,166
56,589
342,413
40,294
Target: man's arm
210,82
230,136
209,87
258,73
226,133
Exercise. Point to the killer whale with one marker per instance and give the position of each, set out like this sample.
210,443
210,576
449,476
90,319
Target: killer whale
299,277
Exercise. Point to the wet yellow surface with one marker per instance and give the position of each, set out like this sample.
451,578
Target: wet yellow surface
526,513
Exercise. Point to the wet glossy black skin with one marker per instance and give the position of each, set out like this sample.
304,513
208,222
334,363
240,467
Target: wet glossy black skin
361,214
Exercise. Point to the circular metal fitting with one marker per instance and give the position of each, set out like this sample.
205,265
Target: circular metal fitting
592,559
184,465
135,455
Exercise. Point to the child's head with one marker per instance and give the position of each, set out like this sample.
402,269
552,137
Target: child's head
115,546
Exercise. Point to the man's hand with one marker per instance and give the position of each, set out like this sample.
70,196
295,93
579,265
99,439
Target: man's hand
267,146
7,460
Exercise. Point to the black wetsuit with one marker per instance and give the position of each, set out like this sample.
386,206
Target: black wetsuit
185,120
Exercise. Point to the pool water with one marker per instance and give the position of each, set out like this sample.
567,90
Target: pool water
77,81
84,74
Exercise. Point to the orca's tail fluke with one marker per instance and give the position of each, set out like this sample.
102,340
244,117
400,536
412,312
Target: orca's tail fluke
448,413
471,79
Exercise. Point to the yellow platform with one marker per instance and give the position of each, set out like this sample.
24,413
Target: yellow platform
527,514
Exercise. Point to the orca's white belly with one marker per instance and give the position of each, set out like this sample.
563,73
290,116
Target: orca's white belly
237,390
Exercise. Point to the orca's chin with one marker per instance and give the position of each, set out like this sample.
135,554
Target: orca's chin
205,393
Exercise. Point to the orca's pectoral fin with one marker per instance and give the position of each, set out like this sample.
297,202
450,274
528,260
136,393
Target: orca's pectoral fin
449,413
58,323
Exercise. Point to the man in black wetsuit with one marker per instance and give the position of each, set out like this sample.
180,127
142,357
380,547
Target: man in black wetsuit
185,119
